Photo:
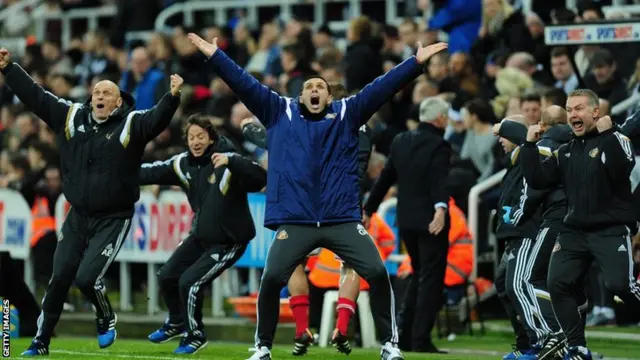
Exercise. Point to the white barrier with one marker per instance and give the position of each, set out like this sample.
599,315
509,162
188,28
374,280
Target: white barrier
15,231
474,203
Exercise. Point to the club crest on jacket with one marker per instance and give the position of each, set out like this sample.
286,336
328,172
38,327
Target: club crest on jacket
556,247
282,234
212,179
594,152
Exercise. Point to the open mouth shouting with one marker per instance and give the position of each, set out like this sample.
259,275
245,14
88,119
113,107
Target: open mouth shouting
577,125
315,102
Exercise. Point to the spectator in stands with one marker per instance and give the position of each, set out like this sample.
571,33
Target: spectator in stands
502,28
460,19
362,63
161,53
562,70
95,61
477,153
391,43
605,81
553,96
540,50
323,40
296,70
244,44
146,84
133,15
27,128
527,63
465,80
408,32
267,52
530,107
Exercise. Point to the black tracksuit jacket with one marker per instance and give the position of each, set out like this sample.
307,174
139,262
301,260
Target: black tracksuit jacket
100,163
258,136
218,197
594,170
524,201
554,203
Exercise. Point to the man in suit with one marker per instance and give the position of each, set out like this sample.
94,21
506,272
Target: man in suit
419,163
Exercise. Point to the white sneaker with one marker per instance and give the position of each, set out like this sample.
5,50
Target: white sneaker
261,353
390,352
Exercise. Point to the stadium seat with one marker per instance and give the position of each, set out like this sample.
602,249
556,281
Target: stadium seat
367,328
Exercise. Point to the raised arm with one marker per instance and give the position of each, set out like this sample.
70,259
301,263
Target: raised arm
360,107
48,107
248,174
262,102
144,125
166,172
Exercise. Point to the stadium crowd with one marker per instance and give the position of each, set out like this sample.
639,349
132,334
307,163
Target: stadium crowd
497,66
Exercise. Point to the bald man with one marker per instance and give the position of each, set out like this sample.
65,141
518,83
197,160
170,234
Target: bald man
147,84
101,145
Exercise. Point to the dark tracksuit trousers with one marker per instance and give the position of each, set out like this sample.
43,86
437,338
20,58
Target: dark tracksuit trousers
192,267
425,294
86,247
352,243
610,248
517,293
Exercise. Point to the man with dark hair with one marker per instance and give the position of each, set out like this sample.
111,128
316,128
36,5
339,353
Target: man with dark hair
594,168
553,96
349,280
216,181
295,68
313,191
563,72
530,107
101,145
605,80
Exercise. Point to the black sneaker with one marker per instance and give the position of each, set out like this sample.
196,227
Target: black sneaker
341,342
302,343
192,343
552,346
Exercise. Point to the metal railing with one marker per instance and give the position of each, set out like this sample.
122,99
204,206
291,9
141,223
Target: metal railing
18,7
474,210
91,15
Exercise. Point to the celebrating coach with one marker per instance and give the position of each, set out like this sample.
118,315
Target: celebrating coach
101,146
419,162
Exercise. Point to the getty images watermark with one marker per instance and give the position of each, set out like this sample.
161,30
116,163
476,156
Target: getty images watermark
6,328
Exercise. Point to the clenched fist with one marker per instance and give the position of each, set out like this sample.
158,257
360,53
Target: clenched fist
5,58
604,123
533,133
176,84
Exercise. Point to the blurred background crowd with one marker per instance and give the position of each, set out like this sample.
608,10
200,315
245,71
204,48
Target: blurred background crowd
497,65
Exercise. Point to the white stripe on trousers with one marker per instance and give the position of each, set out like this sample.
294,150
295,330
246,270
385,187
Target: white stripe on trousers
98,285
395,337
532,291
519,279
634,287
193,290
256,337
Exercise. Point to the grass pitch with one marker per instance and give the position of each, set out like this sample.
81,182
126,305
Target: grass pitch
485,347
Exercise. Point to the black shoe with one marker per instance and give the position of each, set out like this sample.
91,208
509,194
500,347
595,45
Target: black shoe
37,348
192,343
341,342
302,343
552,347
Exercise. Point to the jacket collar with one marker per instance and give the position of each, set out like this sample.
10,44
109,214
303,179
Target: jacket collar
427,127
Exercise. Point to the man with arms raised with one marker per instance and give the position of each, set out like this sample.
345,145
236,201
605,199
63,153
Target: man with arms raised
313,195
101,144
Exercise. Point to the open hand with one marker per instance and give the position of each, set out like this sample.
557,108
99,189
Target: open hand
425,52
5,58
604,123
176,84
219,160
208,49
437,224
533,133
